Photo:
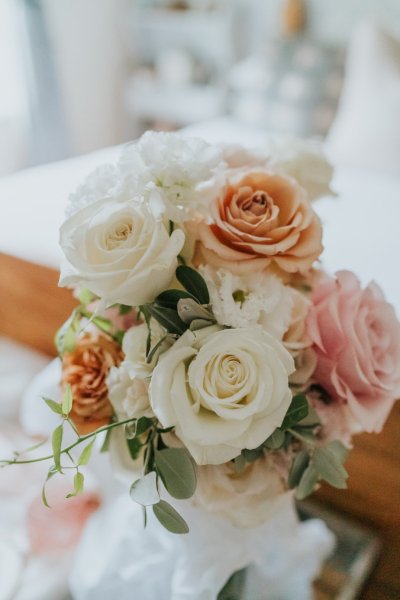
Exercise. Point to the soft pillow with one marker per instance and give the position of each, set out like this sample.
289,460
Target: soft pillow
366,131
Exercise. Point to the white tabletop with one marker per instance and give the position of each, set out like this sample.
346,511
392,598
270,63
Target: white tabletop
361,230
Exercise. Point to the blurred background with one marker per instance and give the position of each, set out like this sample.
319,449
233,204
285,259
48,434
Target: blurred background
79,78
76,76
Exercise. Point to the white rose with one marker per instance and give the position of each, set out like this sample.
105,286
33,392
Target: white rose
242,301
304,160
248,498
128,396
119,251
134,347
223,391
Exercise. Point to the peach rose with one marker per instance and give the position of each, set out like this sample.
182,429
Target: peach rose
263,220
356,337
86,370
297,340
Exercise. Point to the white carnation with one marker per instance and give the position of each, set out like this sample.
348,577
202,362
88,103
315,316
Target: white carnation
129,397
134,348
174,171
103,182
247,300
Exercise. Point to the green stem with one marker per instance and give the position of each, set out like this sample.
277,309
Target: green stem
68,448
301,438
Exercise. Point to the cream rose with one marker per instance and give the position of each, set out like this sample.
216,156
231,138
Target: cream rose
134,348
120,251
223,391
248,498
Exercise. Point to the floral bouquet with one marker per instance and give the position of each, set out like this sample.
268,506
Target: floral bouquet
209,351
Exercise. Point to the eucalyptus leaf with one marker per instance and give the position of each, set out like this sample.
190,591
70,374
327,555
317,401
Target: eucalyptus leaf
307,483
177,471
56,442
169,518
52,471
189,310
275,440
66,404
194,283
168,318
252,455
240,463
143,424
197,324
170,298
299,465
329,467
339,449
86,453
134,447
297,411
54,406
144,490
155,348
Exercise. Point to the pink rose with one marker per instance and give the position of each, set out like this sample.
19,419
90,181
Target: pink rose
261,221
356,337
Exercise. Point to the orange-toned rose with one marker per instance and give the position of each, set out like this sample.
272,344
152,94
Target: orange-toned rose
263,221
86,369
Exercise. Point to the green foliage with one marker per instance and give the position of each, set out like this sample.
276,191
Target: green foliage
299,465
86,453
169,518
56,442
66,404
65,338
276,440
54,406
79,481
328,464
177,471
193,283
144,491
168,318
297,411
170,298
308,482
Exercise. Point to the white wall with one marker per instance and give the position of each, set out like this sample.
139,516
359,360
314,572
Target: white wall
89,56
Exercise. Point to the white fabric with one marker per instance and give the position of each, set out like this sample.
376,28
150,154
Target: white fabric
18,365
366,130
118,558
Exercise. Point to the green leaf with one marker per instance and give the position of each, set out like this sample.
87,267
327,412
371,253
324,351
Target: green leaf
106,442
86,453
240,463
124,309
194,283
339,449
103,324
50,474
67,401
189,310
297,411
275,440
169,518
307,482
54,406
170,298
86,296
168,318
144,490
134,447
329,467
299,465
252,455
56,441
143,424
152,352
177,470
79,481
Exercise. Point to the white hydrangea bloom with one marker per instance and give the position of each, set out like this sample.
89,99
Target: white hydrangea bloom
101,183
175,171
246,300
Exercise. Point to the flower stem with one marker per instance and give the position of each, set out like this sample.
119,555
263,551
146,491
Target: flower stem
66,450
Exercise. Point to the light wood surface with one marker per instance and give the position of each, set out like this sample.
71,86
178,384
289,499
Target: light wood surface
32,307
